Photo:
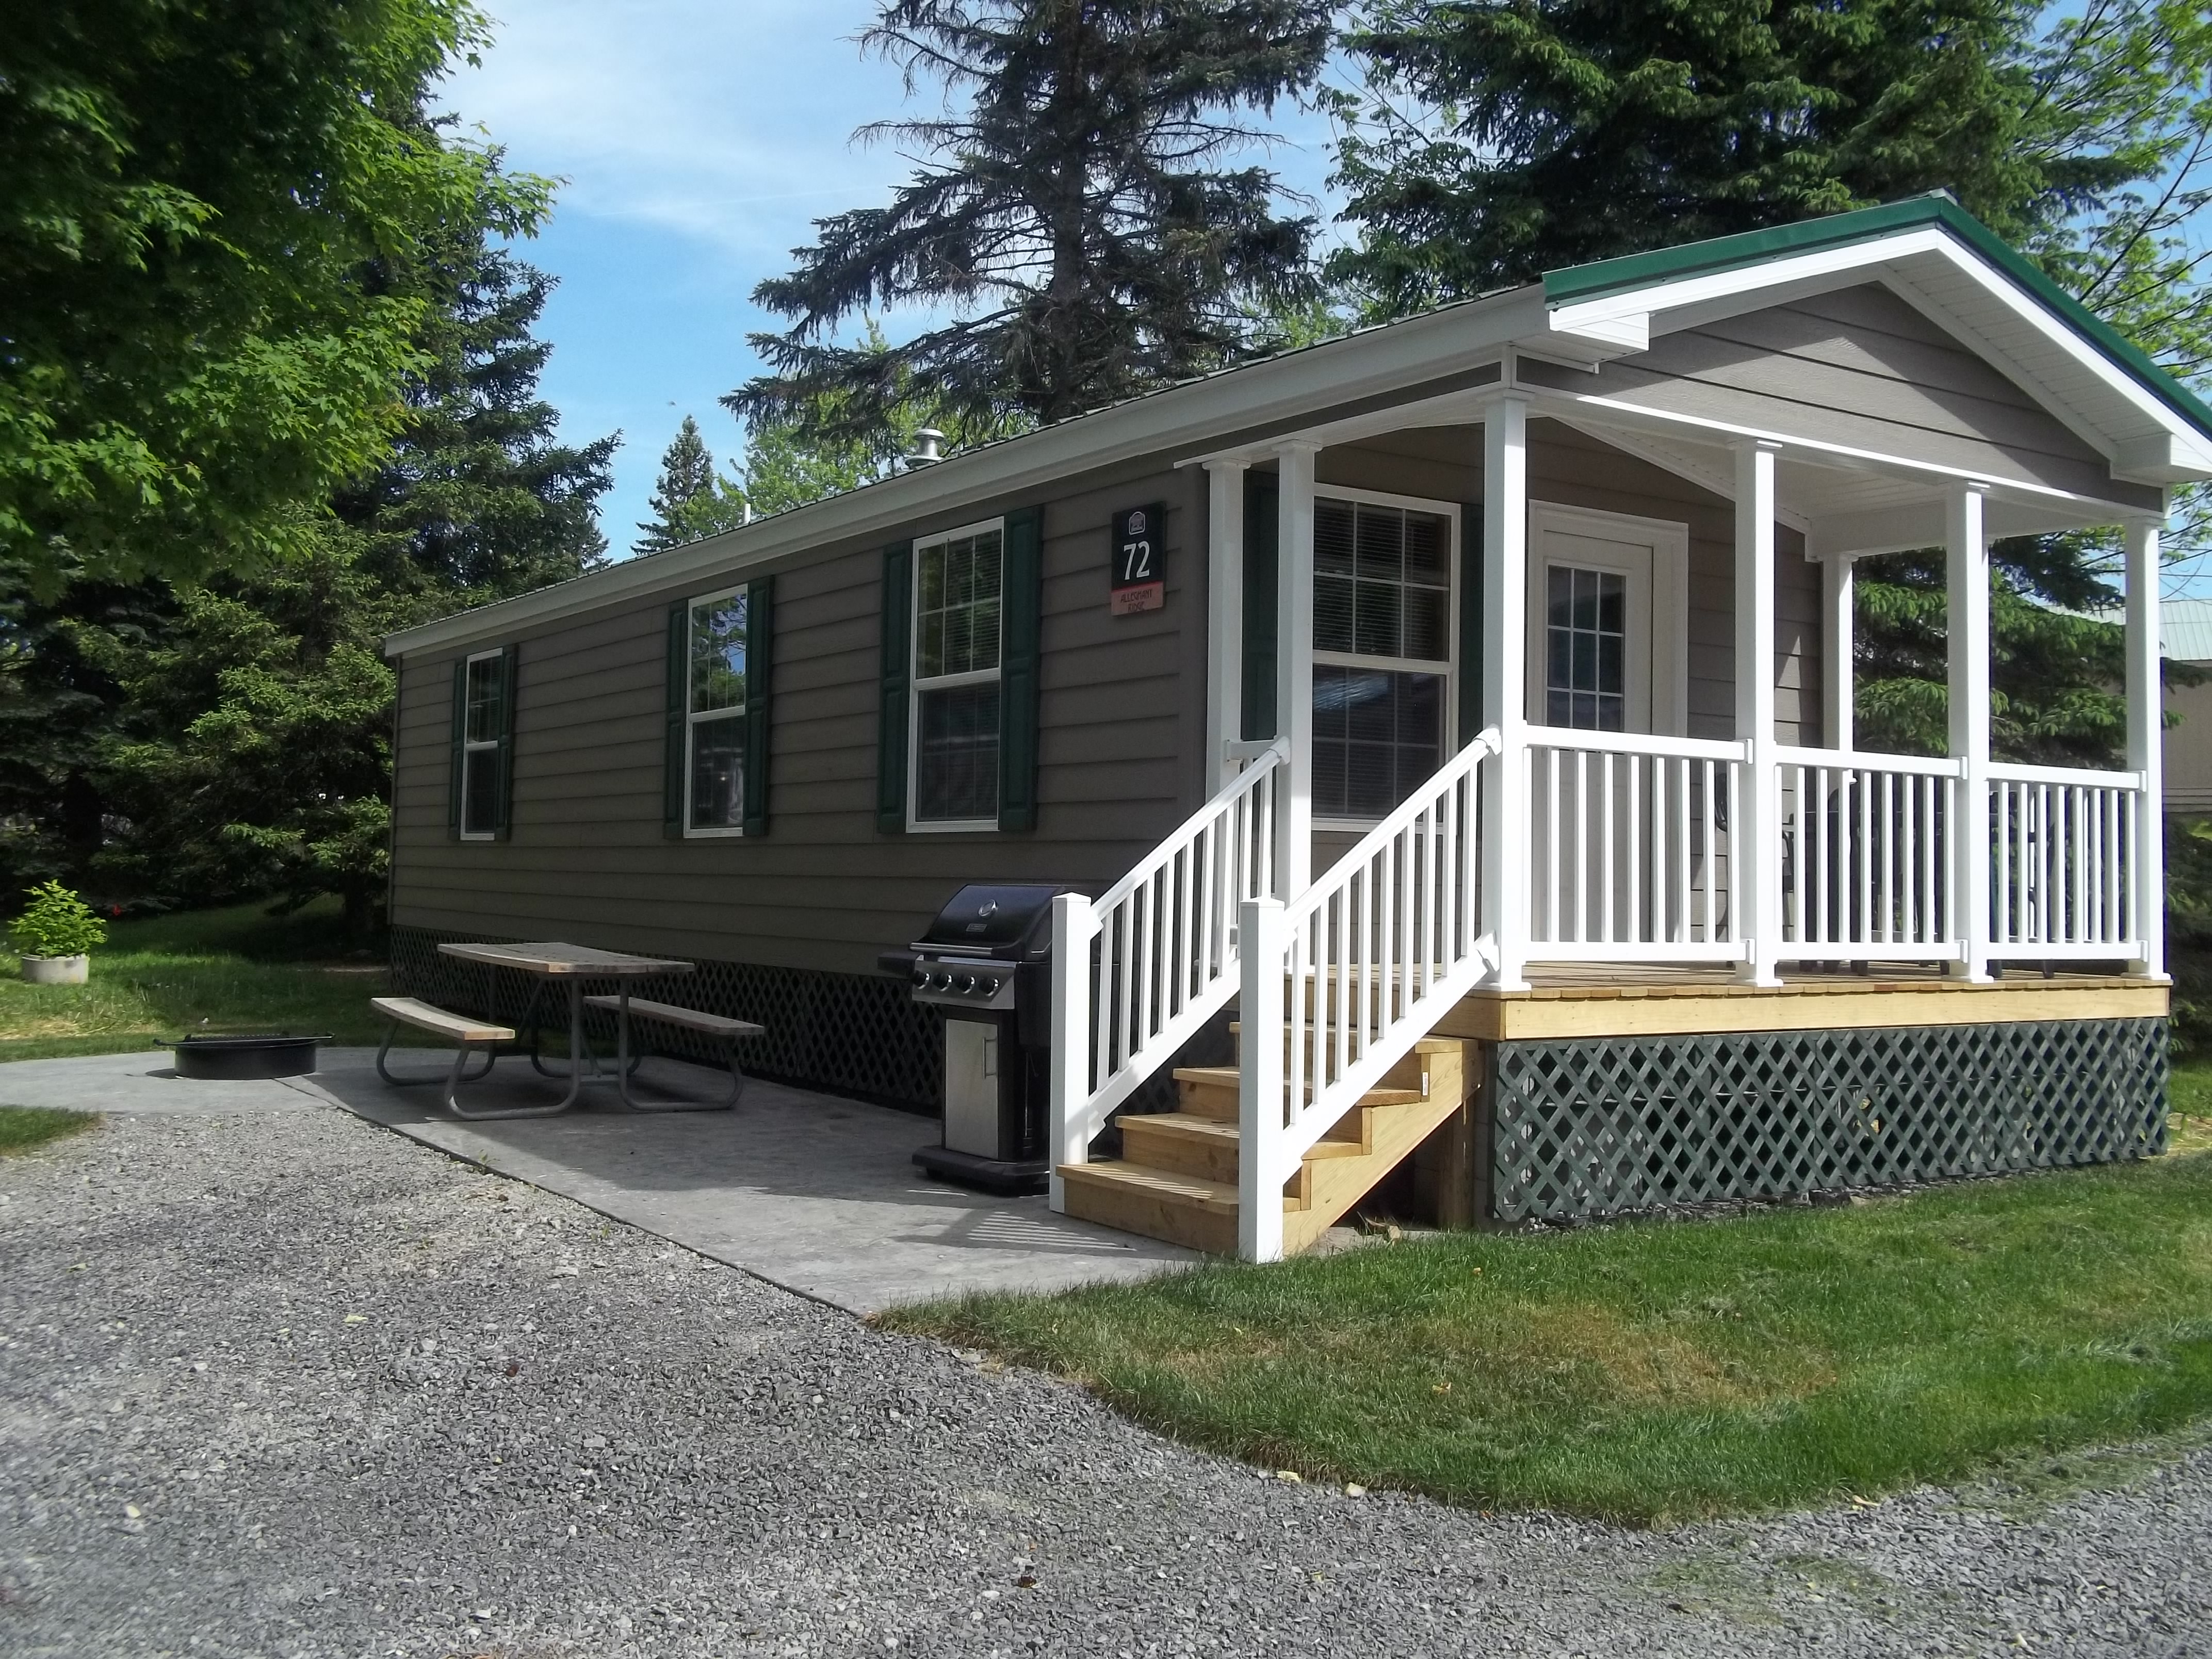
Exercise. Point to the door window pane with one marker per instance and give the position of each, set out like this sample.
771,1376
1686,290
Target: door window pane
956,755
718,773
1586,648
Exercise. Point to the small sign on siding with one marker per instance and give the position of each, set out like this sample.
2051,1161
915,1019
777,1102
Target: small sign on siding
1140,560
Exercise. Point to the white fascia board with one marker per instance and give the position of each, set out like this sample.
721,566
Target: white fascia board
1614,310
1184,417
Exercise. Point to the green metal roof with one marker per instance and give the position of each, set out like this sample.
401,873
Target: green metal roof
1603,277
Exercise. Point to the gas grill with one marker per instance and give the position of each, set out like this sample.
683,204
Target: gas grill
986,964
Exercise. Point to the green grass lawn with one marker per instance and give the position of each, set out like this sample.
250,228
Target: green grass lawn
237,970
22,1128
1663,1370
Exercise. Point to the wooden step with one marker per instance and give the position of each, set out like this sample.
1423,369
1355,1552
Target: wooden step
1212,1091
1200,1215
1182,1143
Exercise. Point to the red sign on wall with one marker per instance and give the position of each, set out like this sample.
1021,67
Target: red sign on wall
1140,560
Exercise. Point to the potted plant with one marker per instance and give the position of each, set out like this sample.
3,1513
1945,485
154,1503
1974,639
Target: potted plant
54,935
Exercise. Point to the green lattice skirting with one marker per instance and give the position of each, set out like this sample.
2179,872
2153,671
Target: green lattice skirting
1600,1127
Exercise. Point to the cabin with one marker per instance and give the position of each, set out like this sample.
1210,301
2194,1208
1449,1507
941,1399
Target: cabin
1444,735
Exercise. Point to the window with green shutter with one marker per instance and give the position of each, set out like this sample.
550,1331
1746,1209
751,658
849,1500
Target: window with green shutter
716,759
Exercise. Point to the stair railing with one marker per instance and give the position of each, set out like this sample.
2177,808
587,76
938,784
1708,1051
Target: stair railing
1352,973
1135,974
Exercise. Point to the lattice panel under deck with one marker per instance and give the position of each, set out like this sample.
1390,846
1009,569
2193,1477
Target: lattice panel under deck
1602,1126
851,1034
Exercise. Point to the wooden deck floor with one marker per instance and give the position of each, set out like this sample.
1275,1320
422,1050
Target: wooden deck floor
1579,1000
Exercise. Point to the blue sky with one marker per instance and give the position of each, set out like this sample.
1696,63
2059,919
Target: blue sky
698,141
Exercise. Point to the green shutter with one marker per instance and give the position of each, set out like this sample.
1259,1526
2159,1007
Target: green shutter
1261,527
503,822
1470,621
760,669
1021,613
457,782
678,693
897,670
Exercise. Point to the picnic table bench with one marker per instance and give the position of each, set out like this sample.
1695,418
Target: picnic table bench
730,1032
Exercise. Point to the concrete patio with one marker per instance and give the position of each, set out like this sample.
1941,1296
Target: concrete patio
812,1193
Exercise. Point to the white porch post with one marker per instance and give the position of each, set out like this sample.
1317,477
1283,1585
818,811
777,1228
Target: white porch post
1294,667
1074,925
2146,746
1836,645
1755,840
1224,617
1260,1082
1966,611
1506,855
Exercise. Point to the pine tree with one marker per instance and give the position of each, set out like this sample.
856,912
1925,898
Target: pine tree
251,751
1073,216
692,499
1503,138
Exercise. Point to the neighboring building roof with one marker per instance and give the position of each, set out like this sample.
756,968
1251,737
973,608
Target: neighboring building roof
2184,627
2152,431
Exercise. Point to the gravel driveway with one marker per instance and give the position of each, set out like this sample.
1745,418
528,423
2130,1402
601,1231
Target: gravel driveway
291,1385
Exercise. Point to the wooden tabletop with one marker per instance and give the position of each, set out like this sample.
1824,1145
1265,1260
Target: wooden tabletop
553,959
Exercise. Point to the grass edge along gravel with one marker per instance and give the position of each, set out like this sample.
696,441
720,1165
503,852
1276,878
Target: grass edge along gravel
1657,1371
24,1127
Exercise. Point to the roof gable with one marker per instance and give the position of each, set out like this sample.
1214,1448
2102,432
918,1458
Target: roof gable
1950,266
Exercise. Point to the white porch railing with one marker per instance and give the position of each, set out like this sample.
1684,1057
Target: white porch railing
1354,972
1630,847
1166,960
2061,861
1863,860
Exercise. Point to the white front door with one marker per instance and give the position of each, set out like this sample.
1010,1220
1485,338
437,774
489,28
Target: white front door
1608,616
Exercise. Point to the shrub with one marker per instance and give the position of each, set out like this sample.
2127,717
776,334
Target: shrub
56,923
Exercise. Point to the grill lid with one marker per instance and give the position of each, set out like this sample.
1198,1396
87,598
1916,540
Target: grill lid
990,918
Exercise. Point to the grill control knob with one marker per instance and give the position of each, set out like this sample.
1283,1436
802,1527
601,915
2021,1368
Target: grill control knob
990,983
964,984
921,975
940,982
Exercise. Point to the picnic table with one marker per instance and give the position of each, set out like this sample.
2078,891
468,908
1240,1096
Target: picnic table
549,961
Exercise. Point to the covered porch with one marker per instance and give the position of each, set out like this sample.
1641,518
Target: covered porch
1642,815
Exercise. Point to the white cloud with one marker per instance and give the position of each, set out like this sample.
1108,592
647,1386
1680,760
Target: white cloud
728,122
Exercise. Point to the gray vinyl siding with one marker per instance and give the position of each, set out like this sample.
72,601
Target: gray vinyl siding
1121,724
1857,367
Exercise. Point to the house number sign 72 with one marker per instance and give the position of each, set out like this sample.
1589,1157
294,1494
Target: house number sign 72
1140,560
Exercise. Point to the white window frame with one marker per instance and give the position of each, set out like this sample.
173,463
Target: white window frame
1658,608
1447,510
916,685
471,747
693,720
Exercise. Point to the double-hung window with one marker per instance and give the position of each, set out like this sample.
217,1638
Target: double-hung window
480,764
1382,650
958,649
715,714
